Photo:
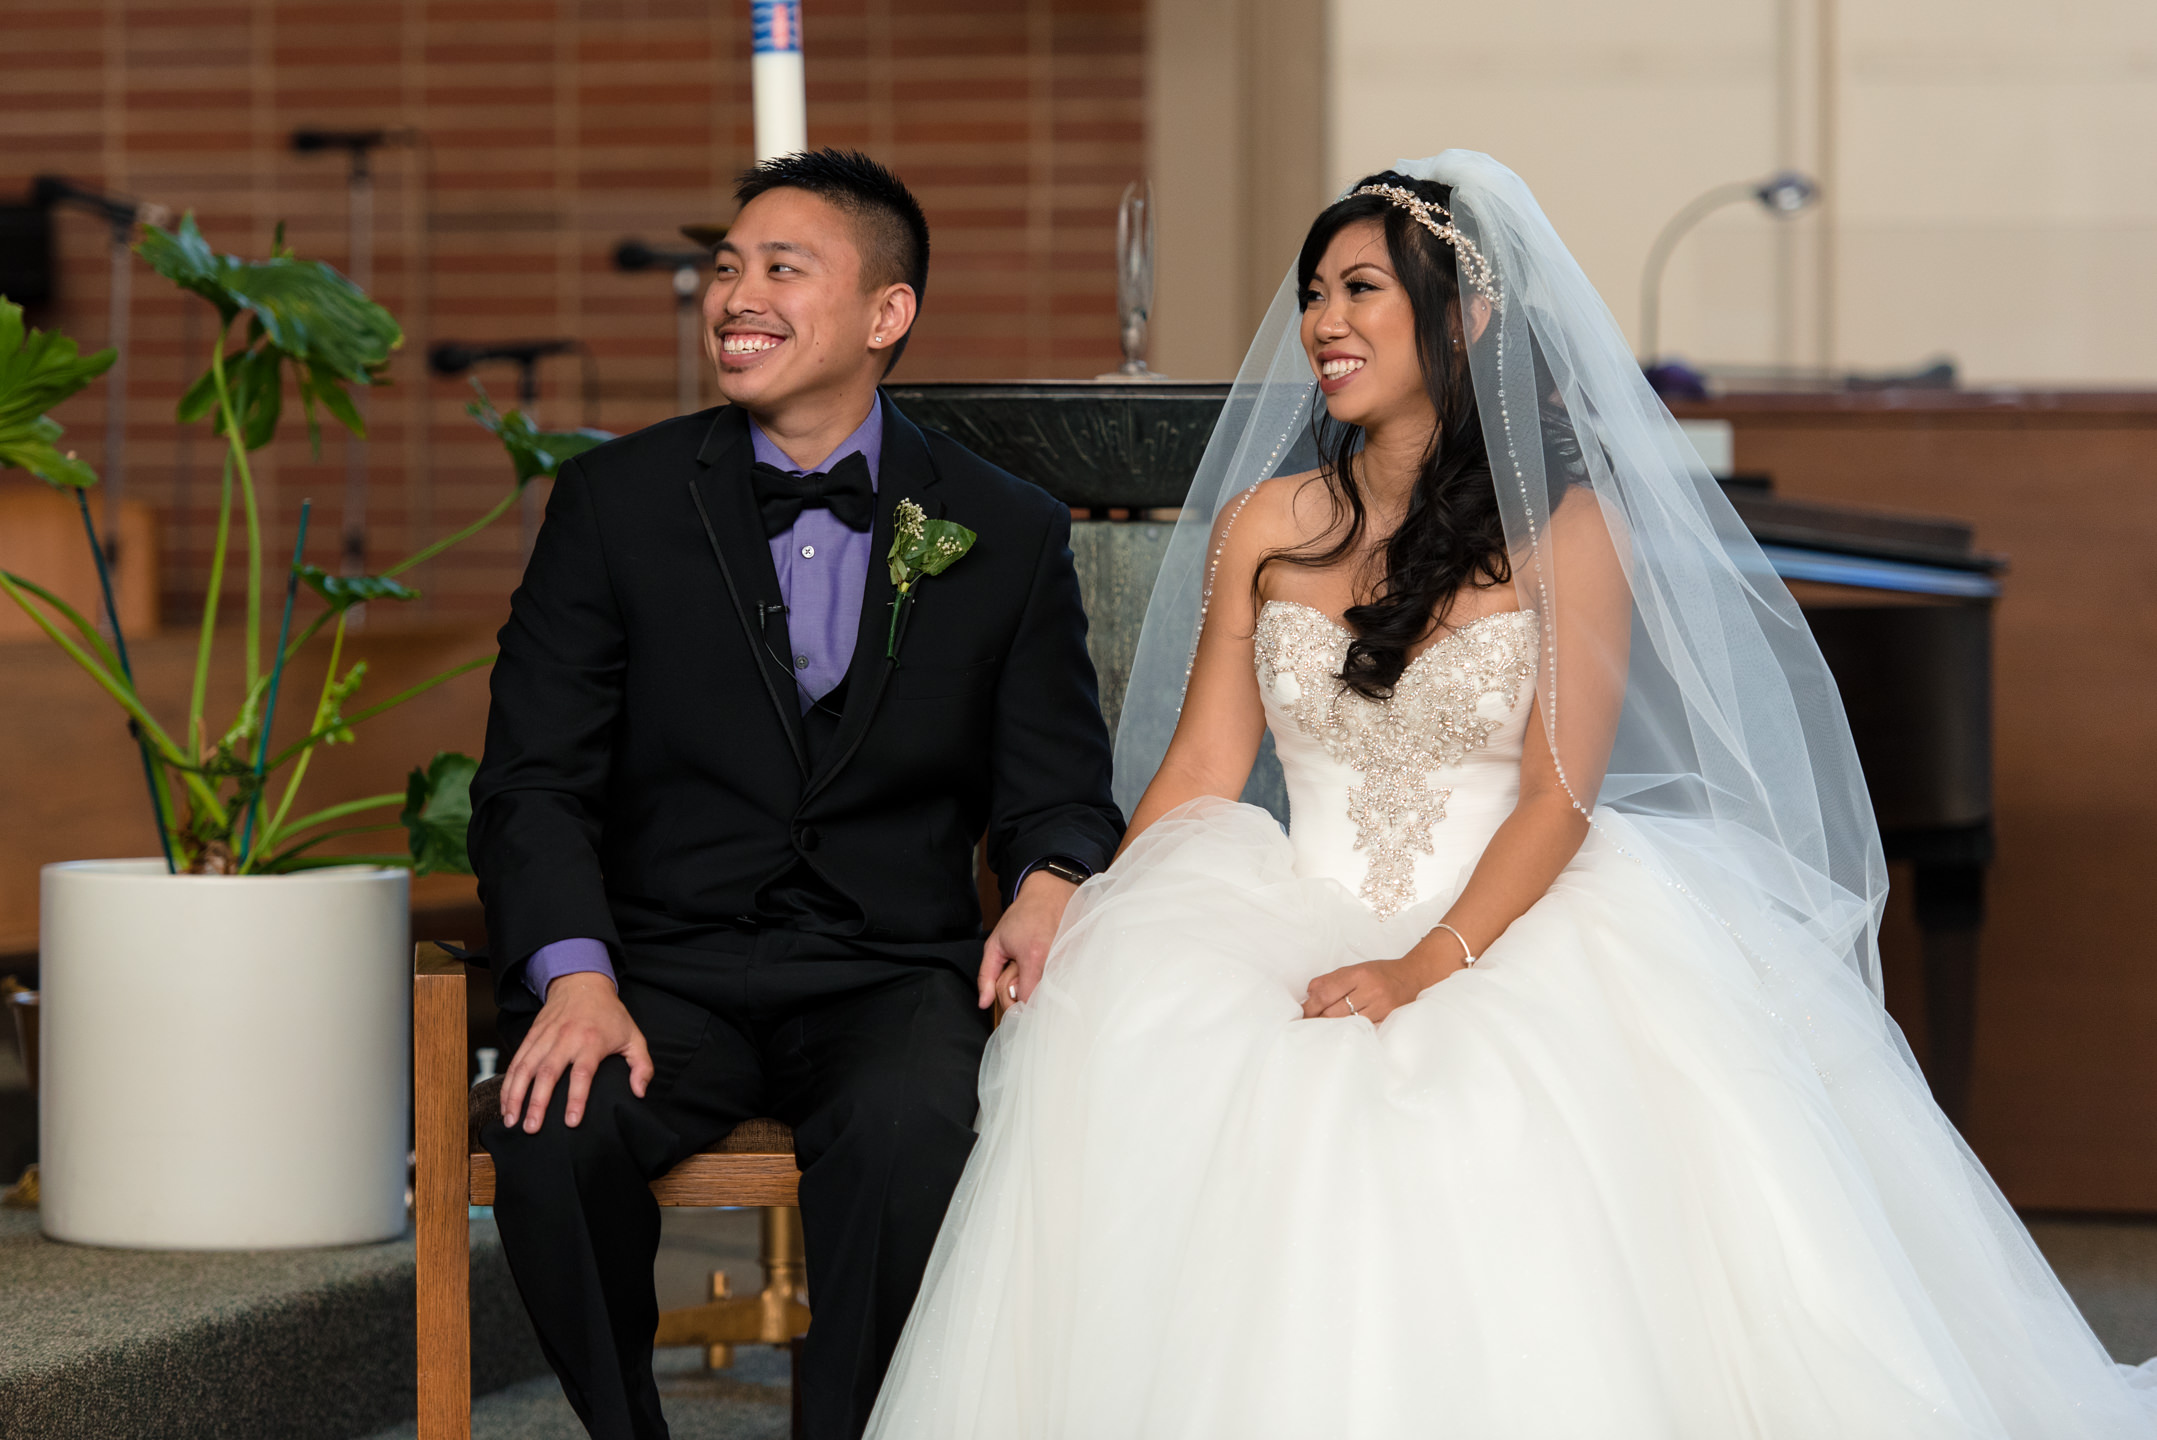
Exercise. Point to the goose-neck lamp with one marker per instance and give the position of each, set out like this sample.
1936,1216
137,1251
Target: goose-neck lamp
1782,194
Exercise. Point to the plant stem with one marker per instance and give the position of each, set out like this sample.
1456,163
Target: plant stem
305,748
127,672
324,862
236,444
333,812
312,629
898,608
277,675
284,857
125,694
196,698
73,617
373,710
459,538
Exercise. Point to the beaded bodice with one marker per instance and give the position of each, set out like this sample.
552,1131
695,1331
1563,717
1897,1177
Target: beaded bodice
1372,784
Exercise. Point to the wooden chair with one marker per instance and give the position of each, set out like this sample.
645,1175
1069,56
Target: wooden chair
752,1166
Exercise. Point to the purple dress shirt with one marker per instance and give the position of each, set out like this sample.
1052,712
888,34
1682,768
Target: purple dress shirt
823,568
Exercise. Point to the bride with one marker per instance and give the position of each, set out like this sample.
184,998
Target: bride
1536,1082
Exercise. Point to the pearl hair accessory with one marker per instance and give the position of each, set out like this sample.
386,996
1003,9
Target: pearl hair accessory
1435,219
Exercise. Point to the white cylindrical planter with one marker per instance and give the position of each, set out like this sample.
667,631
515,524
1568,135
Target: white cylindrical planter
226,1059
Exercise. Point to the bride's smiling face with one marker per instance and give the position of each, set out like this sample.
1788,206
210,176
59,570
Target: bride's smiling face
1359,331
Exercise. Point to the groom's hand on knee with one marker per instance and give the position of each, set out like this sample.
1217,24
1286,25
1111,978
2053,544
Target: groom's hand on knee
582,1023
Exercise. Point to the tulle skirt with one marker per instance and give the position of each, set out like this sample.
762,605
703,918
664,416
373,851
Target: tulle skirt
1607,1183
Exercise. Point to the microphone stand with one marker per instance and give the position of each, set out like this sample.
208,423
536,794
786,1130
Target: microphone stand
687,330
359,192
122,304
358,146
120,214
688,268
452,357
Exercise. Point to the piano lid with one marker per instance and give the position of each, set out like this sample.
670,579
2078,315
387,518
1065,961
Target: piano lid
1866,549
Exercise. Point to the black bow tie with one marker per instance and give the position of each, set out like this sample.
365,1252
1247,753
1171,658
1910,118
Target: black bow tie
844,490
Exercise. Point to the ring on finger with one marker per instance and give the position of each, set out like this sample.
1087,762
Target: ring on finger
1350,1004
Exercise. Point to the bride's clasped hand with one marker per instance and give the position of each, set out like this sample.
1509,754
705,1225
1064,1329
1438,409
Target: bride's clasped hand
1374,989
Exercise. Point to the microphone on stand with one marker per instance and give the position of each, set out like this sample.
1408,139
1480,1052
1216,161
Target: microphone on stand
688,266
454,357
120,213
358,147
636,255
118,210
308,141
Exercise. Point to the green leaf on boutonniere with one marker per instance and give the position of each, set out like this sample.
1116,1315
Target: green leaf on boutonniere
920,547
923,546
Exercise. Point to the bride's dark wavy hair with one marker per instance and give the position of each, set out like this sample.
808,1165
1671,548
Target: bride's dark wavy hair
1452,535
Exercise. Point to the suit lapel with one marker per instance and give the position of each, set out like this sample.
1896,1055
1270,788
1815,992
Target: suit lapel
726,507
904,472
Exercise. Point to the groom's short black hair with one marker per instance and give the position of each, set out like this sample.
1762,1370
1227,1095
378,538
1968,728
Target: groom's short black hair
889,227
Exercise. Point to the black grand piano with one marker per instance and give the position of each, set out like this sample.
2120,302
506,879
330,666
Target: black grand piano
1901,607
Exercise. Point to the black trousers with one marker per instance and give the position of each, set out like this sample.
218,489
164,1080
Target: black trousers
871,1052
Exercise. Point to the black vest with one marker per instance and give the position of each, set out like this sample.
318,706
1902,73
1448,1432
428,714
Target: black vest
801,899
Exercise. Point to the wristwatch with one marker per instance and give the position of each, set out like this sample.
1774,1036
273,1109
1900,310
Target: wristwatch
1063,867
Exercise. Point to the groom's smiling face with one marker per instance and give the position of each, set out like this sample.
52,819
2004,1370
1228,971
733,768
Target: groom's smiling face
789,315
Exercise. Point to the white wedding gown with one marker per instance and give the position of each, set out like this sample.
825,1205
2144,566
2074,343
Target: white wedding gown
1600,1185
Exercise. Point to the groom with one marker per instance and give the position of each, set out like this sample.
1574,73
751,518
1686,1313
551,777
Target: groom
726,821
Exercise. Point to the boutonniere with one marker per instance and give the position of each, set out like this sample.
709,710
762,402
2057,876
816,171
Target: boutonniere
921,547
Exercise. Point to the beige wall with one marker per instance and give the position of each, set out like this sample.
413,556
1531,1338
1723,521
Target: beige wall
1966,142
1235,145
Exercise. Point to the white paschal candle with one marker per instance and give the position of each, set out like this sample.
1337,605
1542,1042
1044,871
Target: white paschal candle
782,102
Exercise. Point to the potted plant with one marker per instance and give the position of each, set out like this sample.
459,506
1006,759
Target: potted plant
225,1026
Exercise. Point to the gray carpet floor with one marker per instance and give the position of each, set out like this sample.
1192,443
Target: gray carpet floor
2109,1264
748,1402
100,1344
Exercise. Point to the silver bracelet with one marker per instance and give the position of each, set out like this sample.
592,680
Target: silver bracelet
1467,953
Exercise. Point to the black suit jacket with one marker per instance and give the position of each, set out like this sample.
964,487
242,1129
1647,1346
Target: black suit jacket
646,772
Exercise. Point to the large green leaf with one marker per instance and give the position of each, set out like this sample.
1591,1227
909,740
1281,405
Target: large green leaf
342,592
535,452
437,812
185,258
299,310
38,371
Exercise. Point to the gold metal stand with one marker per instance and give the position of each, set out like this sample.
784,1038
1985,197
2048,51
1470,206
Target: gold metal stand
775,1315
22,1195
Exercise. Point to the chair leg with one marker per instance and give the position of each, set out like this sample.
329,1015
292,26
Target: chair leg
441,1196
774,1315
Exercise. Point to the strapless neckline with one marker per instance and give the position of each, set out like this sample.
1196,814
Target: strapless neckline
1370,780
1457,633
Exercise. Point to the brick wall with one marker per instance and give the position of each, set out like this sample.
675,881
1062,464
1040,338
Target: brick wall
549,130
